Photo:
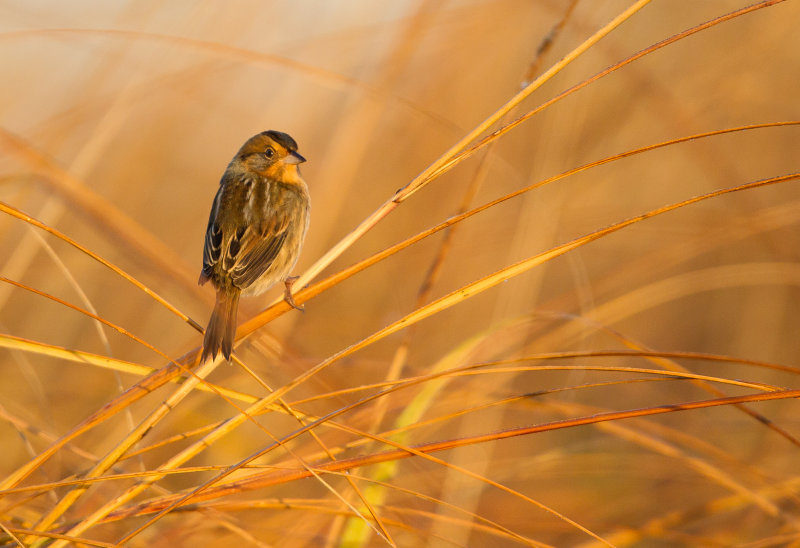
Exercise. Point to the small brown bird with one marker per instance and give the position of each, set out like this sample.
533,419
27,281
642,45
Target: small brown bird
255,231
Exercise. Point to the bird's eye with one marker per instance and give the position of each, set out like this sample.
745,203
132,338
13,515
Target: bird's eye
269,153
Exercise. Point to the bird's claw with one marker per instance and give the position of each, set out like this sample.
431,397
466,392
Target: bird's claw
287,294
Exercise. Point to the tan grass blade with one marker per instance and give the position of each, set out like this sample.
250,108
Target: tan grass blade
780,492
260,481
103,464
701,466
301,419
409,451
488,525
322,505
411,414
121,448
448,159
73,282
208,386
427,175
110,219
14,212
178,459
34,431
786,276
495,367
414,451
509,272
758,222
466,292
114,364
44,487
139,390
77,541
325,77
255,323
462,155
11,535
50,350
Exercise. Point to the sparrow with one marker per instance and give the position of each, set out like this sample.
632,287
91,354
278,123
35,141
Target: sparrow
255,231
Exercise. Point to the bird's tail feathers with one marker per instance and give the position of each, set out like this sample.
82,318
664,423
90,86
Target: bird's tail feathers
222,326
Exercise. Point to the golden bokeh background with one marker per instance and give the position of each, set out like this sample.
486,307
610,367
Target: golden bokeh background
118,118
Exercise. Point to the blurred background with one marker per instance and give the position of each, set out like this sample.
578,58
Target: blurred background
118,118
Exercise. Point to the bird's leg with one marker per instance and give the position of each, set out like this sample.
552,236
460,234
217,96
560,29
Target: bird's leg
287,294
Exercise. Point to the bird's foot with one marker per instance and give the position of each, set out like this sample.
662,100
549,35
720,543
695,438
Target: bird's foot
287,294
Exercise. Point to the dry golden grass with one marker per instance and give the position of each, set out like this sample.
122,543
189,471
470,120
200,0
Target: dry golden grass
551,278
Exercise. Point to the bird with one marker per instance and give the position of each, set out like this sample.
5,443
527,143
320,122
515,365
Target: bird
256,229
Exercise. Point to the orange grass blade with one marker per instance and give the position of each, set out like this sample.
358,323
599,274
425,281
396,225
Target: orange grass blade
138,433
327,78
110,219
77,541
26,345
116,454
11,535
270,479
414,451
724,276
448,159
427,175
700,465
14,212
255,323
466,292
509,272
120,449
451,162
155,380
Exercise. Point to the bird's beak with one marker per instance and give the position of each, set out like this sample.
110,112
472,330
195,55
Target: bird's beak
294,158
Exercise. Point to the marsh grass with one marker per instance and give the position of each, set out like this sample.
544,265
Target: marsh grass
551,279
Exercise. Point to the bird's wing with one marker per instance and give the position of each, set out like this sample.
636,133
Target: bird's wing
244,249
212,247
254,249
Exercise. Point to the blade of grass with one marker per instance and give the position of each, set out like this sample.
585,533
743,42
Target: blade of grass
11,535
459,152
327,78
786,275
511,271
450,300
281,477
255,323
656,526
501,366
107,217
114,364
14,212
429,173
121,448
701,466
354,533
413,451
111,458
466,153
78,541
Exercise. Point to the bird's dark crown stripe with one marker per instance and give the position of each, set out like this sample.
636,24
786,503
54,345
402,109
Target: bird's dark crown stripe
282,138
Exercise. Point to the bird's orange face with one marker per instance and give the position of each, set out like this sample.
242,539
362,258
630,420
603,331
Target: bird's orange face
270,158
